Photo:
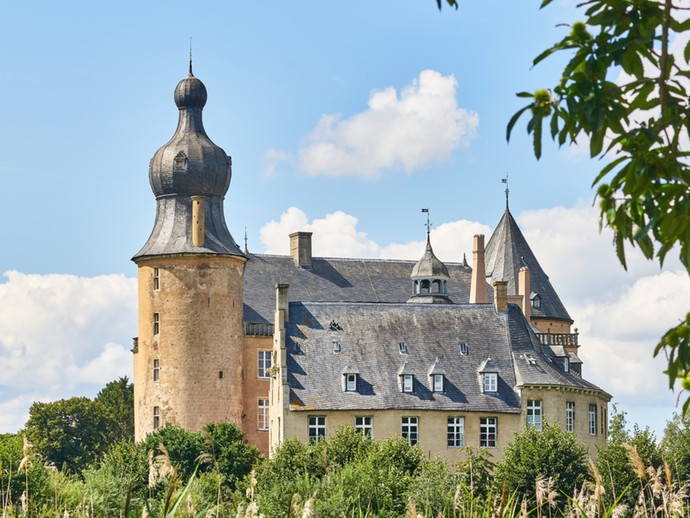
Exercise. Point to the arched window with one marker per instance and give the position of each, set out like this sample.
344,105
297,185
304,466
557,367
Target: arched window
425,286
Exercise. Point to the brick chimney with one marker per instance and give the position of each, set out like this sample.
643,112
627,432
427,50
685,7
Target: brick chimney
501,295
300,248
478,287
525,290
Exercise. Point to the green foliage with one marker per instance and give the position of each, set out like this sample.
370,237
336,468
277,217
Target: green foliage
69,433
226,447
33,479
636,123
550,454
117,397
183,447
675,447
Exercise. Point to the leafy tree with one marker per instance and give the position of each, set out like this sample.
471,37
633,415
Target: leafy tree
69,433
117,397
183,447
637,123
550,453
230,454
675,447
613,462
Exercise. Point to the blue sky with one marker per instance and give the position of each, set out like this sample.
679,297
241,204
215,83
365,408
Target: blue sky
411,105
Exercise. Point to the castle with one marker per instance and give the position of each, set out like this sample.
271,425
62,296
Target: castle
442,354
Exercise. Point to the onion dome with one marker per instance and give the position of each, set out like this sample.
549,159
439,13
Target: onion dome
430,277
190,163
190,167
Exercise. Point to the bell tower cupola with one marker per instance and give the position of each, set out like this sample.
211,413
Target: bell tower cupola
430,276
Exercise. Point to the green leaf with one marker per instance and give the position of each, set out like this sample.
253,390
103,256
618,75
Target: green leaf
620,249
515,118
538,119
686,52
596,142
608,168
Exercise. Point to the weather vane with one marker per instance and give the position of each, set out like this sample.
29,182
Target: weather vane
505,181
428,223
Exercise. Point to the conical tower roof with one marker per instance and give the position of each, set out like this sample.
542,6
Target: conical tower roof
507,252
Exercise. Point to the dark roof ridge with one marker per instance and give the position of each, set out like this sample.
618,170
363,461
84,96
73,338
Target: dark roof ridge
378,259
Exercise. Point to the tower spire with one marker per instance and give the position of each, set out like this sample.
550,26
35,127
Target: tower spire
428,222
505,181
190,56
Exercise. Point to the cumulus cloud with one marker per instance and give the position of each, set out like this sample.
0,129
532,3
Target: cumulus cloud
337,235
272,158
421,125
60,336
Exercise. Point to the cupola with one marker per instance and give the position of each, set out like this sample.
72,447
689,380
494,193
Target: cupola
430,278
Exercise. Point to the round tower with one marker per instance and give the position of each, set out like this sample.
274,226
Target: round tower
187,359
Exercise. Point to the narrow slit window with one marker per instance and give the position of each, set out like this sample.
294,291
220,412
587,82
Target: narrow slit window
156,323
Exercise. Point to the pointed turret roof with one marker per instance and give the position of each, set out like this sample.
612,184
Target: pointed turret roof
506,253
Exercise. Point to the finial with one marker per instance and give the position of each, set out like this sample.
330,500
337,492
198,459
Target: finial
505,181
246,249
428,223
190,56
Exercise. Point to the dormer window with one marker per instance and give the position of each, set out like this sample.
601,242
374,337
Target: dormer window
180,162
464,350
407,383
350,382
536,301
490,382
566,364
402,347
438,382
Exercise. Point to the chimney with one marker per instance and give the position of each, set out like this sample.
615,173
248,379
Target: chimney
282,301
478,286
300,248
525,290
501,295
198,220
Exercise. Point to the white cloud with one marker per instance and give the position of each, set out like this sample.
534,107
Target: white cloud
337,235
272,158
60,336
419,127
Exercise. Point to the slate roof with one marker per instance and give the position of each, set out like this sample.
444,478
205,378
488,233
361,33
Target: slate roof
507,252
336,280
369,341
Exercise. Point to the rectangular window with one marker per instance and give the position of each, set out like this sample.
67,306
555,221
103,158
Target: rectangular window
156,369
262,416
365,425
351,382
156,323
438,382
264,364
156,417
490,382
534,413
456,432
488,428
566,364
593,420
570,416
156,279
317,427
408,383
410,429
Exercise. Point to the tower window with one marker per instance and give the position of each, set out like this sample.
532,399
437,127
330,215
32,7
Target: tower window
156,279
220,375
156,369
156,417
262,423
180,162
264,364
156,323
570,416
593,420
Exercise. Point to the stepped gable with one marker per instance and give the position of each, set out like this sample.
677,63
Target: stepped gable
507,252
